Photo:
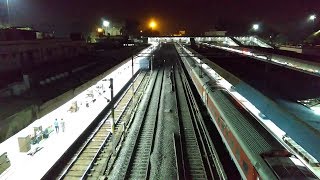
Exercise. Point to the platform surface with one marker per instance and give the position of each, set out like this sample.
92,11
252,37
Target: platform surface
24,166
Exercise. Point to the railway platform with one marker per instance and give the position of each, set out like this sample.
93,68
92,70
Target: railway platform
24,166
33,162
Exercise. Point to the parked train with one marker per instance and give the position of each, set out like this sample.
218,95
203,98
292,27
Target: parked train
256,153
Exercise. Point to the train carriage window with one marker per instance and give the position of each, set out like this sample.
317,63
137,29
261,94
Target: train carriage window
231,143
227,132
223,127
245,167
238,154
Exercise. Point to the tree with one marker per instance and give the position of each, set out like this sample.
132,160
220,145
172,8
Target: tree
130,28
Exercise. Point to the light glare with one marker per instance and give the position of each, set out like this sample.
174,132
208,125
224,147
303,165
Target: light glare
106,23
312,17
152,24
100,30
255,27
316,110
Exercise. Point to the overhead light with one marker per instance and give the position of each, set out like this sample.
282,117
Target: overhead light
106,23
255,27
312,17
100,30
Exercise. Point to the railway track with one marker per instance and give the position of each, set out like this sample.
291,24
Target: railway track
192,147
136,163
196,154
91,159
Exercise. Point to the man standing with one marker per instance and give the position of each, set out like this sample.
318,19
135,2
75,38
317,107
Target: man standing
62,124
56,125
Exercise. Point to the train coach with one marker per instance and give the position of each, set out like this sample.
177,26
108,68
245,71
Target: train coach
256,153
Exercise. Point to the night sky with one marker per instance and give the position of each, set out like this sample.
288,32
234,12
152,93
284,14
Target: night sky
194,16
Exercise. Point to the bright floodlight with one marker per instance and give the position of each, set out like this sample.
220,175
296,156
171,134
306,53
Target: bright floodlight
100,30
152,24
312,17
255,27
106,23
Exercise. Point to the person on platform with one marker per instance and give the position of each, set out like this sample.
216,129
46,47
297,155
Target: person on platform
56,125
62,124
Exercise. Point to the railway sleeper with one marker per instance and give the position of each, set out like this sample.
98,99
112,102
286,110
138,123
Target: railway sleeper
193,156
80,162
138,169
90,150
84,154
78,168
193,152
138,176
84,158
139,165
75,173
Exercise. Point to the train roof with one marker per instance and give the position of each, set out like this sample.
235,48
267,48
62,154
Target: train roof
252,137
255,137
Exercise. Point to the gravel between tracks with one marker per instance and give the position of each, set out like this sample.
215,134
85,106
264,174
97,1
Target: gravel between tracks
163,164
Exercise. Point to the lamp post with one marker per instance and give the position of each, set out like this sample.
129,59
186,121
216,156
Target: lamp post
313,18
8,9
106,24
112,109
132,74
255,27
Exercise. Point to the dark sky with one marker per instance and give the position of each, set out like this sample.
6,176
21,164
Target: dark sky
192,15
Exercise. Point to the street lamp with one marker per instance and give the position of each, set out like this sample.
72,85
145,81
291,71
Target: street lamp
152,24
255,27
100,30
106,24
312,17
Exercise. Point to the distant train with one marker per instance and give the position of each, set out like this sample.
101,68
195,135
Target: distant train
256,153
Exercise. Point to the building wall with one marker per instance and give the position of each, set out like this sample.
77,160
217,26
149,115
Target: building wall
17,54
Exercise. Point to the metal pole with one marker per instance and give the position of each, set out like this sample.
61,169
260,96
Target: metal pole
313,26
152,58
132,70
112,108
200,69
112,119
8,9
